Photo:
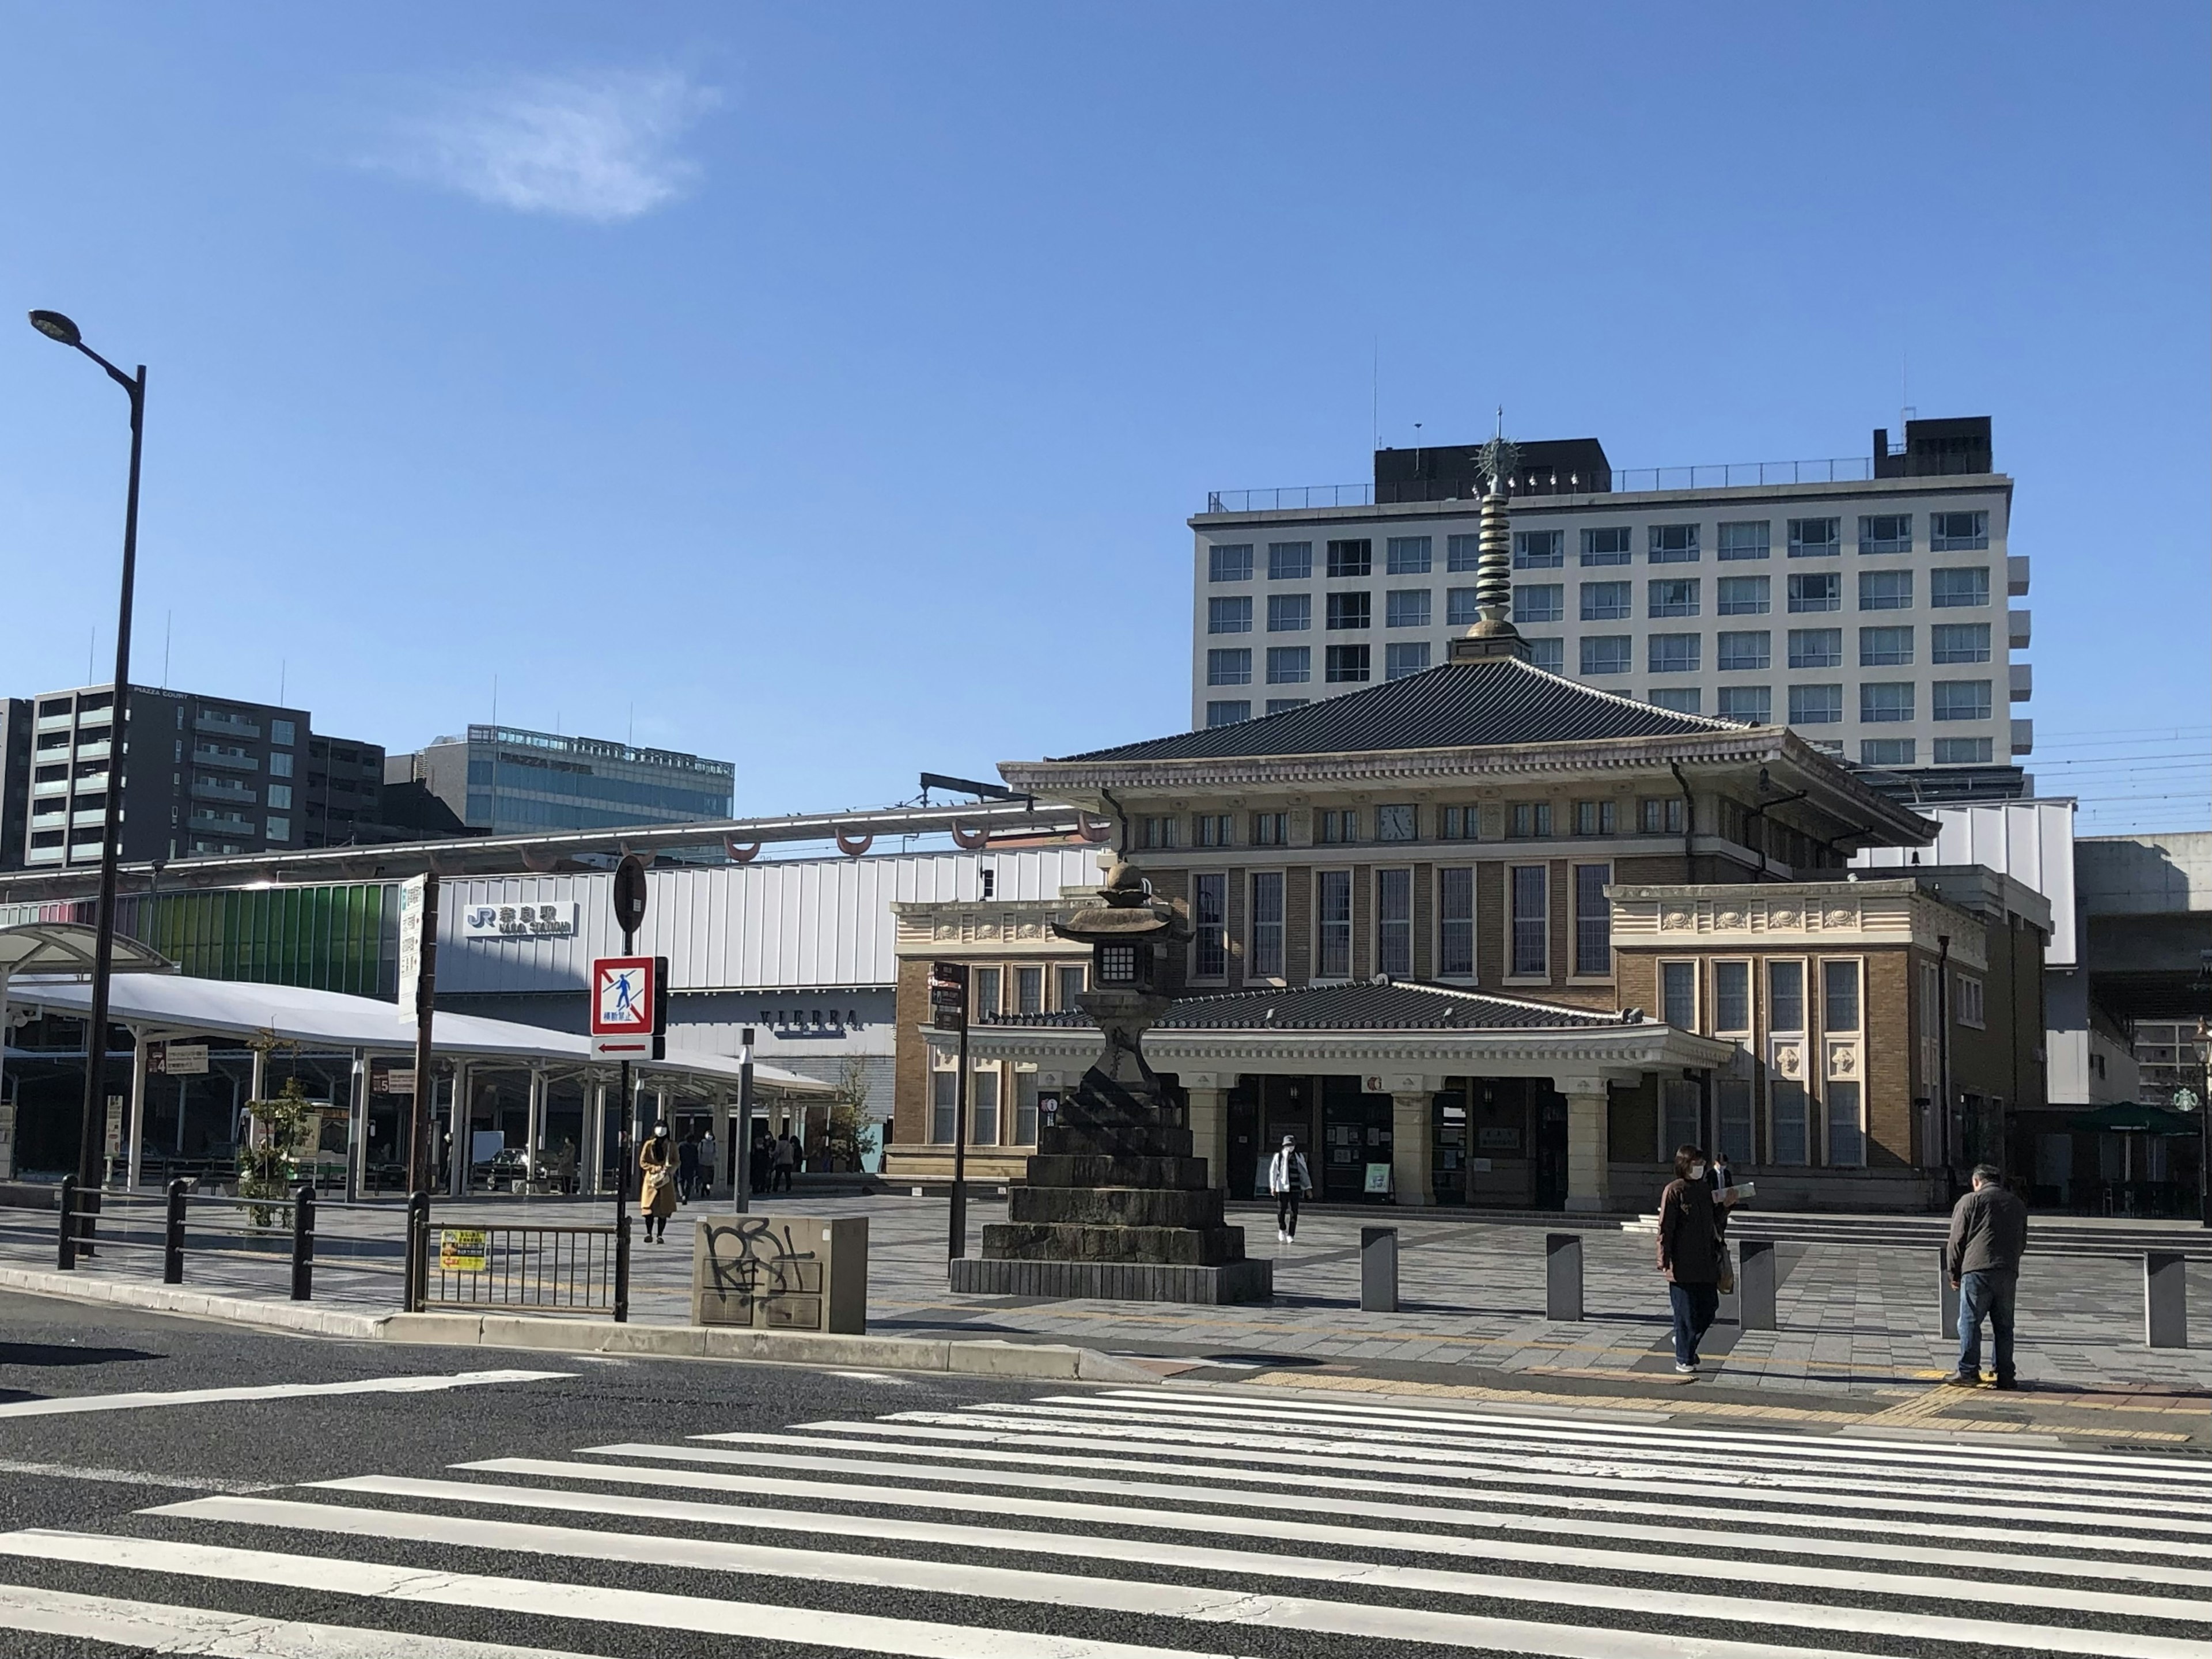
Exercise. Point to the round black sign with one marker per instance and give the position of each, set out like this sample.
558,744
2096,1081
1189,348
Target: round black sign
629,893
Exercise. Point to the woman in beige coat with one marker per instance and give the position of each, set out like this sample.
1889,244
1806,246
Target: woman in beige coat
656,1191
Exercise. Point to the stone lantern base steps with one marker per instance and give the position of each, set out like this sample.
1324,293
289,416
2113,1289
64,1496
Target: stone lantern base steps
1117,1208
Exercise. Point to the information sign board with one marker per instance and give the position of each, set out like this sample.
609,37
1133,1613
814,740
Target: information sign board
948,995
464,1250
629,1013
177,1059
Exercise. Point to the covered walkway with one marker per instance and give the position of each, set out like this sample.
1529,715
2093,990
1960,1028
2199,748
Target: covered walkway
505,1073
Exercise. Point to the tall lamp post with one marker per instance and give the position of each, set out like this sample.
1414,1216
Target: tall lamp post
91,1170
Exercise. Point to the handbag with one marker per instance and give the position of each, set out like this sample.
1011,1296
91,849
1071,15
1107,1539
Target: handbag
1726,1283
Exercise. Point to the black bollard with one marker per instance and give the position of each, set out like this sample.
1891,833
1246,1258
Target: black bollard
172,1236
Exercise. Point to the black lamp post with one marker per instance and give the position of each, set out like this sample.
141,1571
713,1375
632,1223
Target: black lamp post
91,1161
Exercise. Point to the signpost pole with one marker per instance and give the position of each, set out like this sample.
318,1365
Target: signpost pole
948,1010
423,947
741,1160
956,1245
629,900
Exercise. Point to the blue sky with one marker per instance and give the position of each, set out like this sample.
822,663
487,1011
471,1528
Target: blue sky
826,387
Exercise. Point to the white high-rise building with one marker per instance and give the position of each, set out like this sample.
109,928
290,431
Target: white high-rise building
1863,601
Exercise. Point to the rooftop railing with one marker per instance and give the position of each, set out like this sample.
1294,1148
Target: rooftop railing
1635,480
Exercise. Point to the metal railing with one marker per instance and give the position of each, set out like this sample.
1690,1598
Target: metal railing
559,1270
81,1235
1636,480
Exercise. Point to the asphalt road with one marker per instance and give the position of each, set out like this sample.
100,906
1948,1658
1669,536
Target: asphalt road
664,1508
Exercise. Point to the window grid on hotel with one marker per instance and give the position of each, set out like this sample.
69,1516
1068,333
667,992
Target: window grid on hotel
1958,642
1816,705
1289,562
1888,752
1671,544
1346,664
1966,586
1462,552
1885,532
1816,647
1744,539
1960,700
1672,596
1228,615
1229,666
1607,546
1958,532
1539,549
1606,653
1350,610
1289,613
1539,601
1290,664
1230,562
1885,702
1407,555
1228,711
1817,591
1407,607
1354,557
1815,539
1548,654
1884,590
1460,610
1607,601
1744,650
1752,703
1885,648
1404,657
1963,752
1742,596
1675,653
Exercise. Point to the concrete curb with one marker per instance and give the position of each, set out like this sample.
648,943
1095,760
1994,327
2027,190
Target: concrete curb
1049,1361
1045,1361
301,1316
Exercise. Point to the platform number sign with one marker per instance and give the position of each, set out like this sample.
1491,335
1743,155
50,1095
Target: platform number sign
629,1014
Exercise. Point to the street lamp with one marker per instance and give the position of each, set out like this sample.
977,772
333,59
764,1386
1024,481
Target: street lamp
91,1170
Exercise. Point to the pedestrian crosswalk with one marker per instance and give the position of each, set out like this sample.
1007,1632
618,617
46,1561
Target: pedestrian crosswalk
1167,1523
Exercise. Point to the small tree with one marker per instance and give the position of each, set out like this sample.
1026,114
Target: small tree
266,1168
846,1135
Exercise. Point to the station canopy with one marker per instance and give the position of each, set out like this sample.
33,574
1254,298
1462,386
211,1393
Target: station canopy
175,1005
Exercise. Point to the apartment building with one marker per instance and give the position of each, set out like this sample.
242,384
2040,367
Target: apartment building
1863,601
199,775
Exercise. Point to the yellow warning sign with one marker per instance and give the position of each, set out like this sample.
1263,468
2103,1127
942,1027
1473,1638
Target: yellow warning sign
464,1250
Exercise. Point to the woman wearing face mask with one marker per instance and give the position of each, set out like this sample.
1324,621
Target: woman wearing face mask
1690,1255
656,1189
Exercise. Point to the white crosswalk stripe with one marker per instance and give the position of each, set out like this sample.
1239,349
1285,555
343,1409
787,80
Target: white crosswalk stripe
1182,1522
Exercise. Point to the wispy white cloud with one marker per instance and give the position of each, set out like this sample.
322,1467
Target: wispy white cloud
602,146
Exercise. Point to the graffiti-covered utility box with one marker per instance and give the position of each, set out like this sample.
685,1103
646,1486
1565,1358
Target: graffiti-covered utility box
782,1272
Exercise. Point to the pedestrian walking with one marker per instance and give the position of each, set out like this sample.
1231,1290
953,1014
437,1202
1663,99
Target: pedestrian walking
687,1166
787,1161
707,1149
1690,1255
656,1191
1289,1181
761,1165
1989,1236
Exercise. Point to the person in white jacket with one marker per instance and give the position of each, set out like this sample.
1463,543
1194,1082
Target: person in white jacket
1289,1181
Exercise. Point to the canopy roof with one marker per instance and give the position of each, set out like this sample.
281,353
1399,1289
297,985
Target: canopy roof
68,947
179,1005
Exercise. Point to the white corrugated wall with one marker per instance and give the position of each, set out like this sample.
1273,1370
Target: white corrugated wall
799,924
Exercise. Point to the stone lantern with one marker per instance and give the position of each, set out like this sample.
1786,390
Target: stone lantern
1115,1205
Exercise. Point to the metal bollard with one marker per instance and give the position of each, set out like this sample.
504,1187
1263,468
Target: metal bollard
1563,1276
67,1260
303,1242
1379,1270
172,1236
1949,1294
415,1292
621,1269
1754,1285
2166,1299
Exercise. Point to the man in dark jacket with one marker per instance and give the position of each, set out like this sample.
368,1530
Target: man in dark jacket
1690,1255
1989,1236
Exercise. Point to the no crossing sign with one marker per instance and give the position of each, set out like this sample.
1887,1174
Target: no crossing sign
629,1011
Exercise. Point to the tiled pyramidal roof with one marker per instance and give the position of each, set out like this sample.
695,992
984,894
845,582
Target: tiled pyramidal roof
1457,705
